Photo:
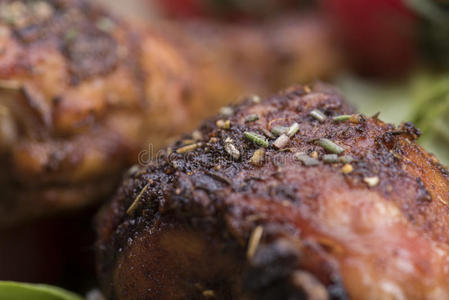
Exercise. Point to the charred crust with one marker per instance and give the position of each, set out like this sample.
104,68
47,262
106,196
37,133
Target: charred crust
423,195
410,129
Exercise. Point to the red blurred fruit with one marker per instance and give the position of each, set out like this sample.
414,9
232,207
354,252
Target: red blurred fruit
225,9
379,35
182,8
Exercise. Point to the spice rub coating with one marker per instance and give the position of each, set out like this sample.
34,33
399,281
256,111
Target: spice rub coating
234,211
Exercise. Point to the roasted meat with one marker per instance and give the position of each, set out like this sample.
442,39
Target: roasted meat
267,56
293,197
82,92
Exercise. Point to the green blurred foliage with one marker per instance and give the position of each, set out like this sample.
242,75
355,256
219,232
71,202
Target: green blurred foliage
431,113
433,30
422,99
10,290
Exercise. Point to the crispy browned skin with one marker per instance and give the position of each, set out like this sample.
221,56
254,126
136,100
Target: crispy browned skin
81,92
326,233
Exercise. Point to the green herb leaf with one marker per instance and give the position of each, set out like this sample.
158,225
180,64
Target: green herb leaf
251,118
330,146
305,159
317,115
292,130
256,138
330,158
10,290
279,130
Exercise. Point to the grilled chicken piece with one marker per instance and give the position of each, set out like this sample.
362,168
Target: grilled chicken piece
339,206
82,92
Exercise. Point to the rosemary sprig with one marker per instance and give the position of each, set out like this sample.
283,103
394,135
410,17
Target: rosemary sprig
256,138
318,115
341,118
231,149
218,177
188,148
351,118
257,157
279,130
305,159
251,118
135,203
330,158
254,240
330,146
346,159
268,134
294,128
281,141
